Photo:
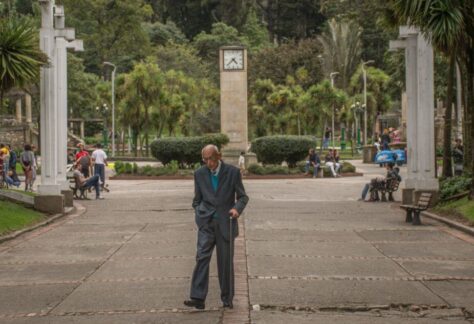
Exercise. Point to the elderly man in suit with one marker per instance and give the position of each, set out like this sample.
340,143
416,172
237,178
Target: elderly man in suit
219,198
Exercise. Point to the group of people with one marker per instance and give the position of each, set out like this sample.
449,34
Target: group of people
8,164
389,135
331,160
83,165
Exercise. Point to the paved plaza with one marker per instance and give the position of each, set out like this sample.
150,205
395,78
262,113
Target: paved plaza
309,253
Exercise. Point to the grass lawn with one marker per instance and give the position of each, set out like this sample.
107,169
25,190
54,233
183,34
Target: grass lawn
14,217
462,208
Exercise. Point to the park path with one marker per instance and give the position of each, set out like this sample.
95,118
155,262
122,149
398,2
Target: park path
309,253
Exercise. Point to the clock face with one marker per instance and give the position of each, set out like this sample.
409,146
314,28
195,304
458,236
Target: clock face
233,59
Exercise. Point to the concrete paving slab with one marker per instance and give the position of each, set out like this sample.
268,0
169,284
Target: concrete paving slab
276,317
457,293
129,220
339,293
449,250
406,235
185,248
440,268
312,248
278,266
72,227
173,267
301,235
201,317
328,225
189,226
22,274
132,296
80,238
57,253
170,236
32,299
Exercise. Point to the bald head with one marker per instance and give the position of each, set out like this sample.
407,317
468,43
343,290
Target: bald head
210,148
211,156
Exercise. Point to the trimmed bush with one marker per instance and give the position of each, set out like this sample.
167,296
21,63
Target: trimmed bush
267,169
347,167
185,150
277,149
453,186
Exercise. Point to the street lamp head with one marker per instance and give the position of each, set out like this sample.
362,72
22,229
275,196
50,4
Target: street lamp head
332,74
109,64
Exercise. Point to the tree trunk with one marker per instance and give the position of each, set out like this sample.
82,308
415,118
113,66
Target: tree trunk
447,165
322,137
470,104
146,144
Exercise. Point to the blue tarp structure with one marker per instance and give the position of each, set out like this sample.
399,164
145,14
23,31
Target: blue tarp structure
388,156
385,156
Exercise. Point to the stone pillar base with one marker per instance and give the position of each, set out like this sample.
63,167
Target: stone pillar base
68,198
407,196
230,156
250,158
52,204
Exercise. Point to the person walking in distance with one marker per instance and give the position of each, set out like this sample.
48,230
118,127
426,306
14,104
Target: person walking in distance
219,198
99,158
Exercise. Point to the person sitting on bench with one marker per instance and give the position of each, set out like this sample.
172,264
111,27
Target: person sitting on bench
88,182
12,179
313,162
392,173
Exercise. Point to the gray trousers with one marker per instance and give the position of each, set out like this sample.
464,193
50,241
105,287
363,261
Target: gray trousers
208,237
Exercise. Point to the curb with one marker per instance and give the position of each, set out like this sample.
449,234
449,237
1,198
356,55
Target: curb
451,223
48,221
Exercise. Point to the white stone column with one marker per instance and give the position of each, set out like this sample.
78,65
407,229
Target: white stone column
61,73
18,110
49,132
420,109
29,119
426,179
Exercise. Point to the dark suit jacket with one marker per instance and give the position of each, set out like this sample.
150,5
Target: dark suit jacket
230,194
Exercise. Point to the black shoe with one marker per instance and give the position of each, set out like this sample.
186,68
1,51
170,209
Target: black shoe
196,303
228,305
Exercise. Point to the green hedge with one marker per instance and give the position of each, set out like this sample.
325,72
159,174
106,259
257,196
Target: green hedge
277,149
453,186
185,150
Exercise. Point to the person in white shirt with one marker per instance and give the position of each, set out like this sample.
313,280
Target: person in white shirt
99,158
242,163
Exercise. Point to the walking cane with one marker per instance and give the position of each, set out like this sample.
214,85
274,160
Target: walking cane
231,265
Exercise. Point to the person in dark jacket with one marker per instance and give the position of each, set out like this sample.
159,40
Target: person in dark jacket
219,198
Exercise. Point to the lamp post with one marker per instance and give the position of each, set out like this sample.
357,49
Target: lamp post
332,75
113,106
365,97
103,110
357,109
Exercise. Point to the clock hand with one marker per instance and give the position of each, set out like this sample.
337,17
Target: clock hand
233,60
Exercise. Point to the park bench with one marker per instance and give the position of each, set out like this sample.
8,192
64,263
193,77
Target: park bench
413,211
389,187
78,191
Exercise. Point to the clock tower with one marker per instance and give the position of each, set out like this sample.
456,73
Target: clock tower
233,91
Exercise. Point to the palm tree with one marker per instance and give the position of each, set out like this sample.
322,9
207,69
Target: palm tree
450,27
20,56
342,49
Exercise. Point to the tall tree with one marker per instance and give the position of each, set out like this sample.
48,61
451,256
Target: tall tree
287,19
110,30
342,48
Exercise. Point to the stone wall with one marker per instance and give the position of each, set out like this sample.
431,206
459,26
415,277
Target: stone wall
16,134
